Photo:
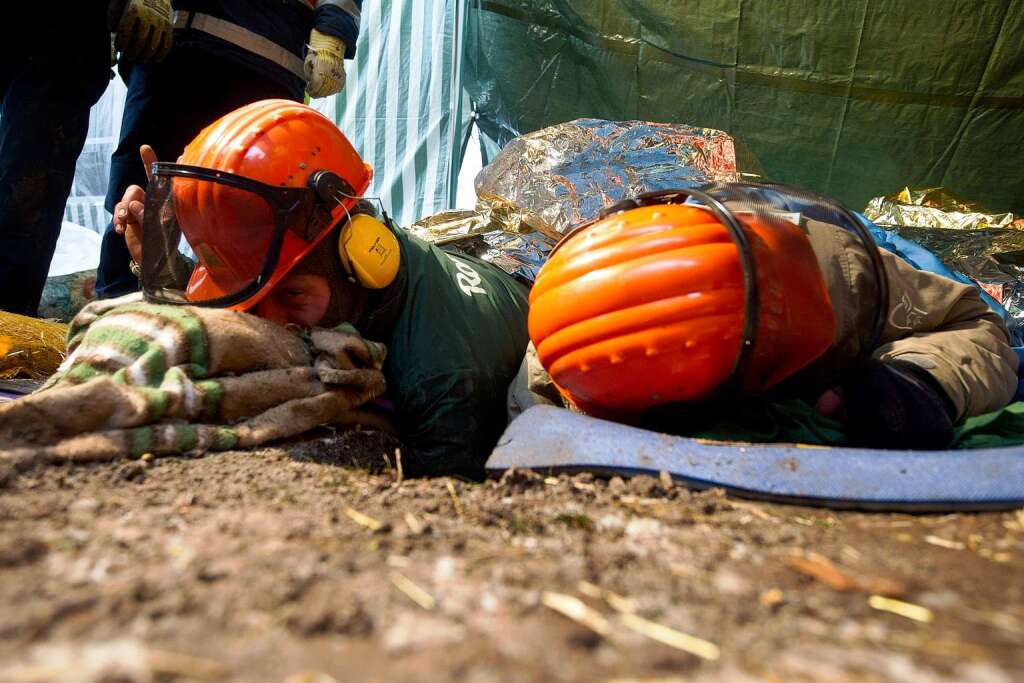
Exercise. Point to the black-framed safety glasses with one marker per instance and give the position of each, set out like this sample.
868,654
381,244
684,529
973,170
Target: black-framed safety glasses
238,232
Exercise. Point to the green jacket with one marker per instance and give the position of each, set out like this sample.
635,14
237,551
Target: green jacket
455,328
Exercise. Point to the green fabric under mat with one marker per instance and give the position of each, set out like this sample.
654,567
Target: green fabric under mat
1002,428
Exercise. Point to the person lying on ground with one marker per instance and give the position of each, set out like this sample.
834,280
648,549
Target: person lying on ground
680,308
268,199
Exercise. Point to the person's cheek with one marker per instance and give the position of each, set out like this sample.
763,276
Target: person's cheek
304,311
301,300
270,309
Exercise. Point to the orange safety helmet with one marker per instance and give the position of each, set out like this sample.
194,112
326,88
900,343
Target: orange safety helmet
661,302
252,195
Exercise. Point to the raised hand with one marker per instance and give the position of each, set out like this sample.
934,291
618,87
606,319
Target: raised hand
128,213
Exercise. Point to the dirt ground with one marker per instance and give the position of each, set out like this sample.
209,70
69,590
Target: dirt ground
275,565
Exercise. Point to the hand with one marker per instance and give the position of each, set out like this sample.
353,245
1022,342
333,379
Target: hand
893,404
830,404
324,65
143,29
344,348
344,357
128,213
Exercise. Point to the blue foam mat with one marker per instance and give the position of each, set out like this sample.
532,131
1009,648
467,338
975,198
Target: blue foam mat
547,438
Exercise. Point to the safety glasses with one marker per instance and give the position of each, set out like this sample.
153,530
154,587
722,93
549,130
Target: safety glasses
211,238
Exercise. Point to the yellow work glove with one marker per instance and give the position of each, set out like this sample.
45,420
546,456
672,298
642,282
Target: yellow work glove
325,65
142,29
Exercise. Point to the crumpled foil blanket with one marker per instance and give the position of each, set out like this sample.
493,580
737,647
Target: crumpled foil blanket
987,247
543,183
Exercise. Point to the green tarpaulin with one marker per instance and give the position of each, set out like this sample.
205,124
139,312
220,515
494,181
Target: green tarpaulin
854,98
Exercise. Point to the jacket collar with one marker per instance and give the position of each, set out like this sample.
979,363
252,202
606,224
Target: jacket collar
384,306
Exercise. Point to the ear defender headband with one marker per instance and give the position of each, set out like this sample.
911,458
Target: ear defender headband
367,247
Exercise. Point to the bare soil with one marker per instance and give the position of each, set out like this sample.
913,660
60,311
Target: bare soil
315,557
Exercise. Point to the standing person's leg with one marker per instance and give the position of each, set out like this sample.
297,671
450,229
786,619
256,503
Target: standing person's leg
44,119
168,105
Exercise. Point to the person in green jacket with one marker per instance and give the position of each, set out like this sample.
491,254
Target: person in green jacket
269,200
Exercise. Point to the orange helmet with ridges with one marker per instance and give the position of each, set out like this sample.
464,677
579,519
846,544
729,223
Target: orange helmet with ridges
659,302
233,219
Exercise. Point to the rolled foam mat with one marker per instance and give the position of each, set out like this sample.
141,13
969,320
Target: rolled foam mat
552,439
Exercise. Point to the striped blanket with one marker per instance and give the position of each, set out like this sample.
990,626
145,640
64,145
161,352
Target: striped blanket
141,378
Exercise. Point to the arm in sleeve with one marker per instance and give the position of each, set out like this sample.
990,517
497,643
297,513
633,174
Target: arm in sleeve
946,328
447,425
339,18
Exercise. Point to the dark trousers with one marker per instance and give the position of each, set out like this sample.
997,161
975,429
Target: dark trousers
168,105
52,70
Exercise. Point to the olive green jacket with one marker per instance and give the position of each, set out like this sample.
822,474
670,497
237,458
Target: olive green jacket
937,323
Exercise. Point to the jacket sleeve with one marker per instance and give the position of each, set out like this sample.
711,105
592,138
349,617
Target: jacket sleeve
339,18
946,328
445,423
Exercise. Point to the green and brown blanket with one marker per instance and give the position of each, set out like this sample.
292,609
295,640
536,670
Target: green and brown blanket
141,378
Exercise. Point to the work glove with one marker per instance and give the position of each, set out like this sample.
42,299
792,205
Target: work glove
324,65
143,29
342,353
897,405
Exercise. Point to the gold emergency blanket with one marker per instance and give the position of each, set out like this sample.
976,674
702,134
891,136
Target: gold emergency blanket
935,207
987,247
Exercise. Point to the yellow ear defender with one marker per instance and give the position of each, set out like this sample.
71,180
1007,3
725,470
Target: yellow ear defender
367,247
369,252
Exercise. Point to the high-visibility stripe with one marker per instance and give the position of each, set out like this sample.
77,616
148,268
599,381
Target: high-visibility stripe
243,38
